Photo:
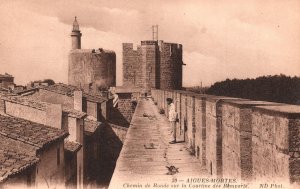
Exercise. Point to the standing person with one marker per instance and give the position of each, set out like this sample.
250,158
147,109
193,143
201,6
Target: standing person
172,118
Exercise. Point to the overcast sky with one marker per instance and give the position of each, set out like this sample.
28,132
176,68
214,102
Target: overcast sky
221,39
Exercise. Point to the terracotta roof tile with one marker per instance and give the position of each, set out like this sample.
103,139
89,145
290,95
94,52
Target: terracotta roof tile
118,126
62,89
26,102
90,126
29,132
68,90
74,113
94,98
17,145
72,146
13,162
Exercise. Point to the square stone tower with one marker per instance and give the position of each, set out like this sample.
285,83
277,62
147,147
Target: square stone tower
154,64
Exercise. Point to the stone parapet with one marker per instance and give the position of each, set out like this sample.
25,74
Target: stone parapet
238,138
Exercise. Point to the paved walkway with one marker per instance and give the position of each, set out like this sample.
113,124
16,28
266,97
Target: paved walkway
146,154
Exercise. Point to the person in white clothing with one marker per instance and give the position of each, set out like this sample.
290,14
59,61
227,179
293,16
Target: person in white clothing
172,118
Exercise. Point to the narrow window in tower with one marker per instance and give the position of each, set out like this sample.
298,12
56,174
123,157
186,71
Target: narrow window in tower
58,156
134,79
80,177
150,71
170,50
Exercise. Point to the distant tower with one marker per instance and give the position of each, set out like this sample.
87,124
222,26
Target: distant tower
90,69
154,64
76,35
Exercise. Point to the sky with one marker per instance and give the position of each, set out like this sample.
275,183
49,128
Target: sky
221,38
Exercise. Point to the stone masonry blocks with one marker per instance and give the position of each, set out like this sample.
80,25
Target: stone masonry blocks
152,65
238,138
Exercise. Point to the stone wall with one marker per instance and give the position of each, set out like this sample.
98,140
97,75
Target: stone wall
170,75
110,148
97,110
183,112
120,132
275,143
105,113
132,72
191,124
70,169
50,166
153,65
200,129
53,97
24,180
213,133
149,61
239,138
52,115
126,106
86,67
140,66
26,112
92,109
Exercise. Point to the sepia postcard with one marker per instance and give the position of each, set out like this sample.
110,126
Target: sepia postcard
159,94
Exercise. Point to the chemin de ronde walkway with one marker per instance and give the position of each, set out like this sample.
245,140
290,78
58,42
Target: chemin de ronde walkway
148,158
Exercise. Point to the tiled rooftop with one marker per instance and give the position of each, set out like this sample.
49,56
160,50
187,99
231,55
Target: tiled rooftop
12,163
29,132
90,125
62,89
26,102
118,126
73,113
27,92
69,91
72,146
18,146
94,98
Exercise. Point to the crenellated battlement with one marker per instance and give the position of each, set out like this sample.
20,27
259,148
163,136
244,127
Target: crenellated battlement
238,138
154,64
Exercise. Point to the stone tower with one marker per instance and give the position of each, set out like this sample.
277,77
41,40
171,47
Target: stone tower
76,35
170,66
139,66
154,64
90,69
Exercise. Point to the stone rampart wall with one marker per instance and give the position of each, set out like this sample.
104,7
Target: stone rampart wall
238,138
